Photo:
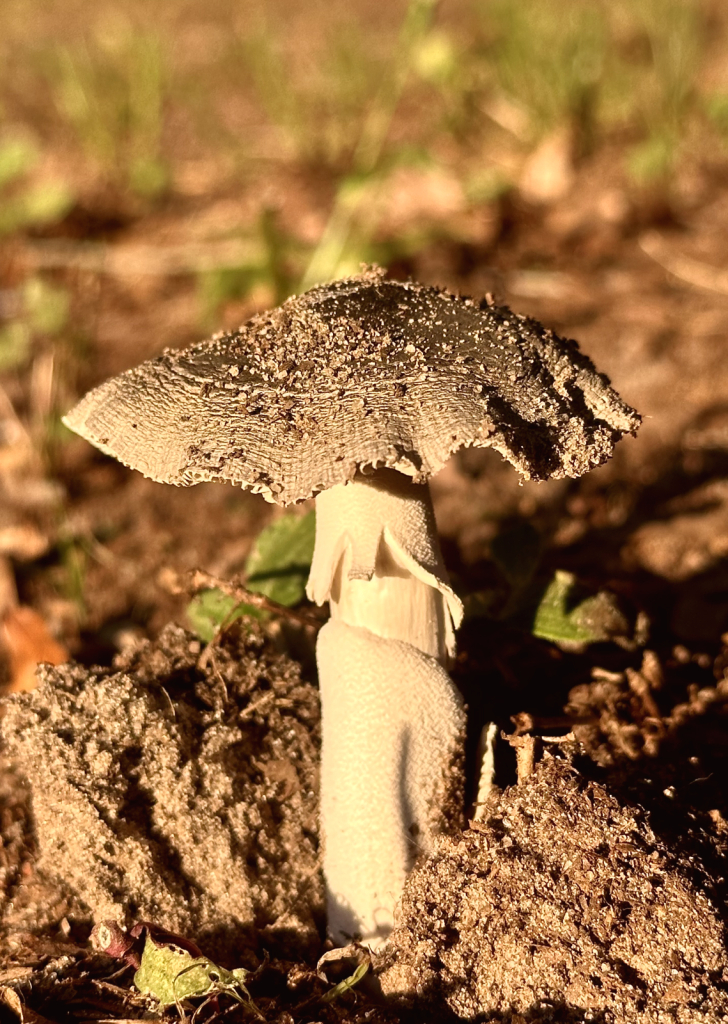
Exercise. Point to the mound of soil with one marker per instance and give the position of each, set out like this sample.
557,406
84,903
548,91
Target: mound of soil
180,786
563,906
180,790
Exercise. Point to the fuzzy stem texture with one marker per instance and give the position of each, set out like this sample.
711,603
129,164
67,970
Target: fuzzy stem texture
393,722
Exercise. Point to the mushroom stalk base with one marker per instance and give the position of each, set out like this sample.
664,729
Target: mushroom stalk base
393,722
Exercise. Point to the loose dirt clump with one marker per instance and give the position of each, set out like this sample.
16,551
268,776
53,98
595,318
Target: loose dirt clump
563,906
180,790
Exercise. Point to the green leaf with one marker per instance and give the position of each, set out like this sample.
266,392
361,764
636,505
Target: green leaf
280,561
211,608
347,983
563,618
171,975
278,567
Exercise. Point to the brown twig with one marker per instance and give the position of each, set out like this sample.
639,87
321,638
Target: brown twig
527,749
525,722
196,580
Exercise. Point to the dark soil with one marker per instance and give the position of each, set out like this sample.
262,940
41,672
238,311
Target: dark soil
563,905
179,786
178,794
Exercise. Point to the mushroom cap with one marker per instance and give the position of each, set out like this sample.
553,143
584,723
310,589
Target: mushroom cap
363,372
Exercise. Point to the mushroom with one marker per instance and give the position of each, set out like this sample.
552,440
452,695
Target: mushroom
358,392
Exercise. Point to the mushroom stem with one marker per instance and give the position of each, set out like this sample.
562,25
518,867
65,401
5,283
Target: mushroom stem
393,722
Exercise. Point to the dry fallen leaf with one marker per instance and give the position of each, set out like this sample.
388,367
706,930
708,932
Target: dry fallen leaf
27,641
10,1000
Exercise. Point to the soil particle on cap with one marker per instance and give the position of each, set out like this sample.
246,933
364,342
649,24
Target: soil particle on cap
178,794
389,374
564,906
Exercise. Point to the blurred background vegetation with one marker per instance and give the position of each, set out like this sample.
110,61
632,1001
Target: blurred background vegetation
118,111
169,168
341,132
149,103
115,111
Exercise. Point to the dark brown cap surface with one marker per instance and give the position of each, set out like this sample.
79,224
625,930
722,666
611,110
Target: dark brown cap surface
361,372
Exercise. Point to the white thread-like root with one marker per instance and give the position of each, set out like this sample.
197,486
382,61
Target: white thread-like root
486,778
393,722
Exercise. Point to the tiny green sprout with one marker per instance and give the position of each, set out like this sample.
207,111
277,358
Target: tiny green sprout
347,983
211,611
566,617
171,975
